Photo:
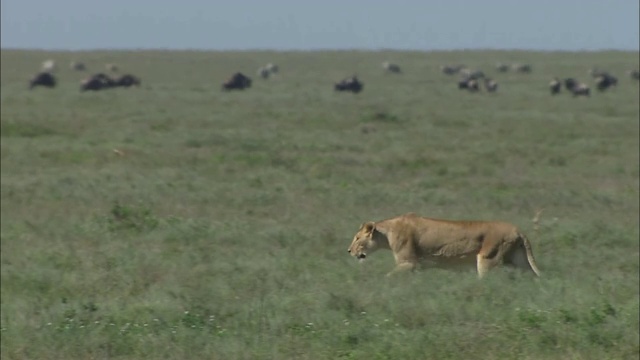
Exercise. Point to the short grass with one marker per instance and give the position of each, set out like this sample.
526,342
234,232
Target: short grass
218,228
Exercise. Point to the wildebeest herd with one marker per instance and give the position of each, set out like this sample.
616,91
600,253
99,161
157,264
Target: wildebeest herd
471,80
99,81
602,80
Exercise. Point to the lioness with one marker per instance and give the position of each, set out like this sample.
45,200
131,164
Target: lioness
445,243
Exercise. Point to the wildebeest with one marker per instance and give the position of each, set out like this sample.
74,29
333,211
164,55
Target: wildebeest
77,66
263,73
451,69
349,84
634,74
522,68
45,79
49,66
391,67
570,83
502,67
581,89
266,71
102,81
127,80
272,68
472,85
468,83
237,82
97,82
490,85
555,85
576,88
605,81
111,67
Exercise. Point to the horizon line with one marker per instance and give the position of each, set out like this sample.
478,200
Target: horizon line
319,49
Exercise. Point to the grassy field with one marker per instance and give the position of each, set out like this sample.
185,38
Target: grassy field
219,230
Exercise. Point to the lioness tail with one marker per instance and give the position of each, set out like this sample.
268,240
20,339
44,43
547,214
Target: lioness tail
530,258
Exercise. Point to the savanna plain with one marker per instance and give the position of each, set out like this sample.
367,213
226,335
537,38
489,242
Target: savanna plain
178,221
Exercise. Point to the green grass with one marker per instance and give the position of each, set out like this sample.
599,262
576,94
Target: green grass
221,232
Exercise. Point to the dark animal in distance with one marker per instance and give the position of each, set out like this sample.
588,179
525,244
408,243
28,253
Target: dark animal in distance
490,85
576,88
102,81
570,83
472,74
263,72
127,80
266,71
391,67
45,79
522,68
470,79
96,82
238,81
272,68
349,84
554,86
473,85
604,81
581,90
468,83
634,74
77,66
502,67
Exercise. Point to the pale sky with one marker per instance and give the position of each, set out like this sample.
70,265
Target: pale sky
321,24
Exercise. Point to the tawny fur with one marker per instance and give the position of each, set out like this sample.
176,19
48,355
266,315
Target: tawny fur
416,240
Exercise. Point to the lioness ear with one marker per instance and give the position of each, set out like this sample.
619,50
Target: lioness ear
370,226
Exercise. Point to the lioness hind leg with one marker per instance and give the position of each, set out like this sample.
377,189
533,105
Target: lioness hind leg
483,265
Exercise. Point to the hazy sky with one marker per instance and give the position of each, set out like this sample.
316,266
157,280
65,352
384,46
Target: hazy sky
321,24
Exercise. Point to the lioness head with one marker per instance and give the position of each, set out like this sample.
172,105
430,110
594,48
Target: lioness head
364,241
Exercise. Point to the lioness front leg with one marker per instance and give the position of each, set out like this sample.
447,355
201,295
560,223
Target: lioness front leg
403,267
